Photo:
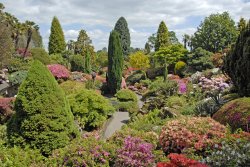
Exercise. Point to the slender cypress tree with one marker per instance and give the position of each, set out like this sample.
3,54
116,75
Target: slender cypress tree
115,62
43,118
57,42
121,27
162,39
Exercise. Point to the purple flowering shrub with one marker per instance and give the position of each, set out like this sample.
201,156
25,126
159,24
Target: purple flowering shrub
59,71
85,152
236,113
135,153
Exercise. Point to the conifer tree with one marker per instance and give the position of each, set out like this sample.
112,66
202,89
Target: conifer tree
87,67
115,62
56,39
121,27
162,39
83,43
43,118
242,24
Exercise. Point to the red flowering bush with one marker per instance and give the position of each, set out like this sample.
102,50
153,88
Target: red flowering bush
59,71
5,109
198,133
236,113
179,160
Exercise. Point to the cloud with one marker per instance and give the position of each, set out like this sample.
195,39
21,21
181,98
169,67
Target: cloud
143,16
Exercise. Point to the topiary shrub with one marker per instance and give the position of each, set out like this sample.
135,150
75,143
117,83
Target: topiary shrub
43,118
127,101
179,68
236,113
89,108
41,55
134,153
190,133
59,71
71,87
237,63
6,109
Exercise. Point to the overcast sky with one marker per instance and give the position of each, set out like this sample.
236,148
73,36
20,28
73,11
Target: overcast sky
98,17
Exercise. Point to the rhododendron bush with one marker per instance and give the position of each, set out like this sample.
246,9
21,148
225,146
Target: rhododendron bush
59,71
179,160
213,84
190,132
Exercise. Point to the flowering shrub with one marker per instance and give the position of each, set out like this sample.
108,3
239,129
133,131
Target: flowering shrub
195,132
182,87
236,113
84,152
5,109
213,84
233,151
135,153
180,160
59,71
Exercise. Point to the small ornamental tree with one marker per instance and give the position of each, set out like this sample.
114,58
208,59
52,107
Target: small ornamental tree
43,118
115,63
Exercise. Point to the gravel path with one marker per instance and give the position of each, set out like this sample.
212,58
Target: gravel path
119,119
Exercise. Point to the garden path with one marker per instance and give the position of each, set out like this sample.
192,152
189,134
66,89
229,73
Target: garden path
118,120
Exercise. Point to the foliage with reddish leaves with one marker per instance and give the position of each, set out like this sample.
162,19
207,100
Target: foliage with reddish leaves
6,109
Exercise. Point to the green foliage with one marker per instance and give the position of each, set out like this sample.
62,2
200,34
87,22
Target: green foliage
19,157
172,38
16,78
176,101
162,39
87,63
215,33
170,54
6,47
71,87
121,27
41,55
115,63
56,39
242,25
18,64
200,60
102,58
179,68
89,108
237,63
236,113
43,119
139,60
84,152
77,63
3,136
126,95
136,77
83,43
58,59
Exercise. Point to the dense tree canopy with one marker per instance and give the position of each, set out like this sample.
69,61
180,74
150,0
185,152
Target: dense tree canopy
215,33
162,38
56,39
139,60
121,27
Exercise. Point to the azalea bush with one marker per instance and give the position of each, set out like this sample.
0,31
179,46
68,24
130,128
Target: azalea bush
6,109
190,133
135,152
59,71
180,160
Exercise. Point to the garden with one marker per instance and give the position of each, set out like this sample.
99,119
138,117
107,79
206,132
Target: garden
188,104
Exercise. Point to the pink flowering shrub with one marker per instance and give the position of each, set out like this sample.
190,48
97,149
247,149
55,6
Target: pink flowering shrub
213,84
5,109
135,153
182,87
198,133
180,160
59,71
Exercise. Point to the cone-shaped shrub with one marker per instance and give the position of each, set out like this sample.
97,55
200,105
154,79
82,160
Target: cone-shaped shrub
43,118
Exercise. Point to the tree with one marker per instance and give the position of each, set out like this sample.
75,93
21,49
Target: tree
87,65
172,38
29,25
162,38
56,39
147,48
151,41
186,40
6,45
237,63
43,118
215,33
115,63
242,24
139,60
82,43
121,27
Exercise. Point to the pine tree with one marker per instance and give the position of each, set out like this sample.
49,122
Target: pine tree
162,39
56,39
83,42
121,27
43,118
87,67
242,24
115,62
